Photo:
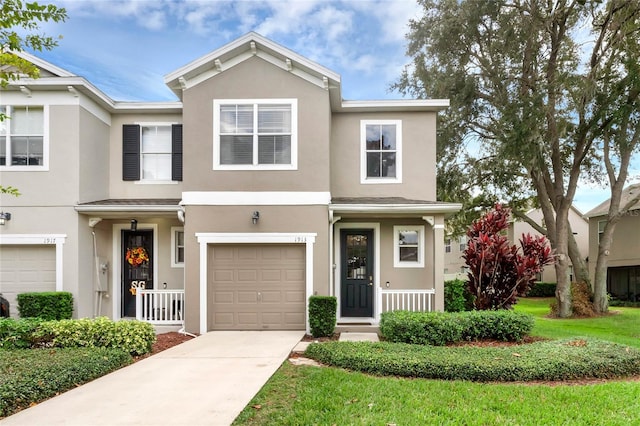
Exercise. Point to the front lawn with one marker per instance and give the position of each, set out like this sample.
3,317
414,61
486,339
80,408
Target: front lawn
311,395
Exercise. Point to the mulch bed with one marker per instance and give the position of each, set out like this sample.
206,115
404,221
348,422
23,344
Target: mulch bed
165,341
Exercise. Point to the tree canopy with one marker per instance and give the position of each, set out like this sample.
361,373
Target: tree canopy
544,94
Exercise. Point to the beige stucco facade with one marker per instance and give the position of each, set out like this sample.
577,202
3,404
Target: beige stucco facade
319,207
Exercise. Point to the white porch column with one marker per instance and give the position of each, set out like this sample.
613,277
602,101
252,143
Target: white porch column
438,262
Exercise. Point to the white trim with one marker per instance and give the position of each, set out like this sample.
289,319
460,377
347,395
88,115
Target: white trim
364,179
255,166
249,198
206,238
45,143
41,239
396,105
116,276
377,300
397,262
396,208
175,229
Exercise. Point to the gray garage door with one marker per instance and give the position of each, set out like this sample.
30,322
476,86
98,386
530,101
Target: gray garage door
26,268
257,287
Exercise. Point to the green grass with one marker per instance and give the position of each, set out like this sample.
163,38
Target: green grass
326,396
621,326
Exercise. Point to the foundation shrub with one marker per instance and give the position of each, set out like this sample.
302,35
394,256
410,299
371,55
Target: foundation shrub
17,334
507,326
549,360
29,376
322,315
442,328
50,305
456,296
132,337
423,328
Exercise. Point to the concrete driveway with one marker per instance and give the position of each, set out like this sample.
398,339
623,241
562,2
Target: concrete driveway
205,381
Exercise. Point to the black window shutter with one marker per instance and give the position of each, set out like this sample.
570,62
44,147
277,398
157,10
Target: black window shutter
176,152
130,152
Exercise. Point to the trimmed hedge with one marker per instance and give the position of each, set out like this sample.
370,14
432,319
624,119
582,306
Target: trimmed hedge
322,315
441,328
17,334
542,289
50,305
568,359
31,375
132,337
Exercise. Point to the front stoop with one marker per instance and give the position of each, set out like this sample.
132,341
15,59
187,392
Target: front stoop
357,328
358,337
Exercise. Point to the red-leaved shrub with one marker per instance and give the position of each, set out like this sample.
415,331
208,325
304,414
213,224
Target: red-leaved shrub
500,272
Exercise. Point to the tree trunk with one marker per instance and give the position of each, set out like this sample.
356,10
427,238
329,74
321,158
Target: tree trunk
580,270
563,286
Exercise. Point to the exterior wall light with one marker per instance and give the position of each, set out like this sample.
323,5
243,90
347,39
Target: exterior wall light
134,224
255,217
4,217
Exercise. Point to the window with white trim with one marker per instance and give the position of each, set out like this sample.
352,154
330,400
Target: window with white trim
155,152
381,151
152,152
463,243
177,247
23,142
447,245
601,225
408,250
255,134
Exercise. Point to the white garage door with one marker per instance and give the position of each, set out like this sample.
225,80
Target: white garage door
257,287
26,268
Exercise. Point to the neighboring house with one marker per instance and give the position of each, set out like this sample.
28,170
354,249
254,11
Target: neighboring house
227,209
579,227
455,266
623,257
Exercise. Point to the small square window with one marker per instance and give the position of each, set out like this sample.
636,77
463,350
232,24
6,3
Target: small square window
408,246
177,247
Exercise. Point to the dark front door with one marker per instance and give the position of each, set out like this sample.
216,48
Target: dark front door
137,267
356,288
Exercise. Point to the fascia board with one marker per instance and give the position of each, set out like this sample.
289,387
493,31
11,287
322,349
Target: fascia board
131,208
41,63
396,208
63,83
394,105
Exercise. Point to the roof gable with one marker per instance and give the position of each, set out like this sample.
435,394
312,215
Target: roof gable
47,69
628,194
243,48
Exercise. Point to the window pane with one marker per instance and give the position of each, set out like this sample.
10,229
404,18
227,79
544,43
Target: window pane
373,137
156,139
27,121
236,119
408,254
180,238
180,255
3,150
274,118
236,150
26,150
3,123
373,164
388,136
156,166
408,237
389,164
274,149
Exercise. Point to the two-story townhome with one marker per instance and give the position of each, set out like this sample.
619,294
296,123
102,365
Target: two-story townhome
226,209
623,257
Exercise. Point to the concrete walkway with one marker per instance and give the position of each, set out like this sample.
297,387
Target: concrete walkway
205,381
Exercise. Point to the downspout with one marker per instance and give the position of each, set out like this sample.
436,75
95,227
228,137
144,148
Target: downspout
97,305
332,266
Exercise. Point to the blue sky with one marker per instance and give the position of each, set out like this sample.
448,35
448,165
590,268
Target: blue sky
125,47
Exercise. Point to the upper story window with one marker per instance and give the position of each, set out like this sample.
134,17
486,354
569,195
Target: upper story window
255,134
463,243
152,152
408,251
381,151
23,142
447,245
601,225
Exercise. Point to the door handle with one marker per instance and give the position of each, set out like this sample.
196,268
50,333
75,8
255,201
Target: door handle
370,280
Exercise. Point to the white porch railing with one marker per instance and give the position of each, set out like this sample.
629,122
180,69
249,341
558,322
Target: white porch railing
408,300
160,307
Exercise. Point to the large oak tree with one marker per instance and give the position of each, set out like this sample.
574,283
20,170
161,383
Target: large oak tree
544,94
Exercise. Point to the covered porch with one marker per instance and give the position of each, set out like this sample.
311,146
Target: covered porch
387,254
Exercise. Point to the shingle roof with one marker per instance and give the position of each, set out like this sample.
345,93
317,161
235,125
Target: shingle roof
627,194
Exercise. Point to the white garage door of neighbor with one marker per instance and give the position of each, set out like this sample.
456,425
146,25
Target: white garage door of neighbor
26,268
257,287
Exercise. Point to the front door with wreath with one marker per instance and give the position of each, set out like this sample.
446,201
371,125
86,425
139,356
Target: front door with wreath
137,267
